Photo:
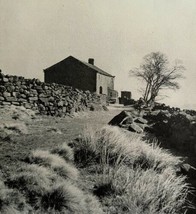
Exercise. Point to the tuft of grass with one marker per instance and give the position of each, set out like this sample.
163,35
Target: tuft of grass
112,145
110,182
85,147
10,210
16,128
63,198
143,191
64,151
46,192
11,201
133,176
32,181
39,171
93,205
152,192
53,161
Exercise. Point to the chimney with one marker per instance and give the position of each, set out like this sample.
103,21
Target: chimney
91,61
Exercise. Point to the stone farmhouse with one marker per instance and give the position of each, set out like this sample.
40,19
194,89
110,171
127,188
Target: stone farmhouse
81,75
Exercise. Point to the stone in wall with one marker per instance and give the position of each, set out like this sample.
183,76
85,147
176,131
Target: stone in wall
48,99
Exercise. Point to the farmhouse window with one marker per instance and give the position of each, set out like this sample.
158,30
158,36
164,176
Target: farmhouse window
100,90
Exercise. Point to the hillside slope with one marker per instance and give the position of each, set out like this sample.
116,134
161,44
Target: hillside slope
80,165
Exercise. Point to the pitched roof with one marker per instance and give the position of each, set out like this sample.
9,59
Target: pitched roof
100,71
95,68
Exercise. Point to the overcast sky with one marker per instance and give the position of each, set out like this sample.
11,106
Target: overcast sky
35,34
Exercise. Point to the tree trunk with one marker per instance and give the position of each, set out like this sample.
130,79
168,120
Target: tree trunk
145,94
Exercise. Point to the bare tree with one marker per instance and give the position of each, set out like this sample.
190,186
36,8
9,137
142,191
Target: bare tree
157,75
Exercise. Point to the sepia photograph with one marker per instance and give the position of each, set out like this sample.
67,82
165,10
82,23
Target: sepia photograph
97,107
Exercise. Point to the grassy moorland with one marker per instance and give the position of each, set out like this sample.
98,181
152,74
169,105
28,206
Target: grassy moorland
81,165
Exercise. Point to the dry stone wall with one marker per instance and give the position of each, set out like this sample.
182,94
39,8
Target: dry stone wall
176,129
48,99
173,128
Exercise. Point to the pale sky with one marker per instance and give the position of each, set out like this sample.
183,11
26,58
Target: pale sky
35,34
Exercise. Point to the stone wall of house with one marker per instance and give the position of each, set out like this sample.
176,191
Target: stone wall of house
48,99
104,82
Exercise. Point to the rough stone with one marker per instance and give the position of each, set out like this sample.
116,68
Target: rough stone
23,96
60,104
33,91
18,83
6,103
42,95
21,90
27,105
140,120
135,128
46,87
11,99
22,100
64,109
43,100
2,88
48,99
51,99
16,103
14,94
10,88
42,107
5,79
33,98
23,86
118,119
6,94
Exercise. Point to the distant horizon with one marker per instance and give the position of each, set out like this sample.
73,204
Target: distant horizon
117,34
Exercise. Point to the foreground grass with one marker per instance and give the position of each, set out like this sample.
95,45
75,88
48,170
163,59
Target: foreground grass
116,173
131,175
48,184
